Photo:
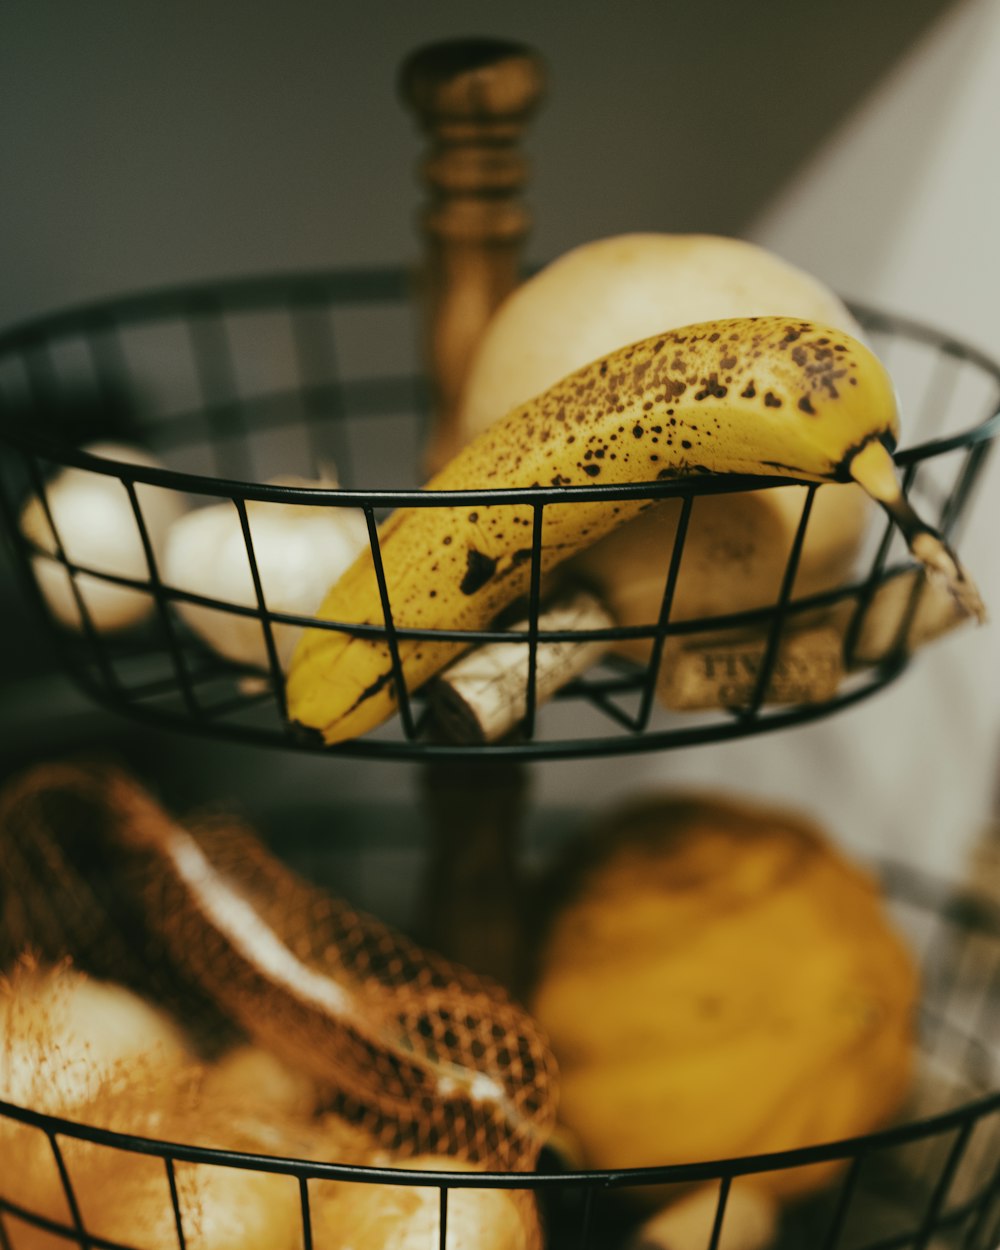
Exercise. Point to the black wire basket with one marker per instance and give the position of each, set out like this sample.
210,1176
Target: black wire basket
930,1180
232,384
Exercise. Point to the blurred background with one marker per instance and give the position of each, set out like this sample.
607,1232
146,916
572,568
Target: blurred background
151,144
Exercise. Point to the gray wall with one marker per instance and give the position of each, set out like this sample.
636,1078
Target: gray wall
145,143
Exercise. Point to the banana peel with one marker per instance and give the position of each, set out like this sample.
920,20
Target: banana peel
771,396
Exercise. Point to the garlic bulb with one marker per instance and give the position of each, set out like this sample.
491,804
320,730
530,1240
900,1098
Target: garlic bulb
93,516
300,552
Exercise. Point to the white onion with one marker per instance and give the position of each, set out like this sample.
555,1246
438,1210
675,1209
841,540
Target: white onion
93,516
300,552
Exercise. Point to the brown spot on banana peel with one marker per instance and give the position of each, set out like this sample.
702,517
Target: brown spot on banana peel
331,668
479,568
377,686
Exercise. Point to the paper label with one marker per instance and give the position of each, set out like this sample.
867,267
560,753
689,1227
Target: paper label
726,672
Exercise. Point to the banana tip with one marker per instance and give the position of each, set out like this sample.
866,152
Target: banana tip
941,563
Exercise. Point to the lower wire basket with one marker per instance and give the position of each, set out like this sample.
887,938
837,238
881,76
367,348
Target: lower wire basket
930,1180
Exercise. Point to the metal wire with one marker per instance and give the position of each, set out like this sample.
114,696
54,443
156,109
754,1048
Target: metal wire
321,400
928,1203
316,399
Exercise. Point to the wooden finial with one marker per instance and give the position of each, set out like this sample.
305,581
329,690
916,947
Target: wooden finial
473,99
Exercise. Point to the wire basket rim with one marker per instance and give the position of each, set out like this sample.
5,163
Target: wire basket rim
351,290
843,1148
365,284
356,284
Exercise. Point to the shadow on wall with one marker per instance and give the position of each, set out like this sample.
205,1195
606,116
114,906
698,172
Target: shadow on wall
699,129
898,198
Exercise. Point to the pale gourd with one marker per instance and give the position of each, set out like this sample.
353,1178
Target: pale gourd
717,980
605,294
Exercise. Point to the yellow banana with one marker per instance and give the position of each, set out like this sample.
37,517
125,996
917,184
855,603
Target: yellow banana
751,395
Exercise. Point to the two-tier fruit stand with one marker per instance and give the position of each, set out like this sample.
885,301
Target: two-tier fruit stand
231,383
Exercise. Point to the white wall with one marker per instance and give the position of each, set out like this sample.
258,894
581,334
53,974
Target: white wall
900,204
900,207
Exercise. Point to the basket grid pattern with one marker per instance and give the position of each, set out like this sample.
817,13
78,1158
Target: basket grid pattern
934,1178
329,410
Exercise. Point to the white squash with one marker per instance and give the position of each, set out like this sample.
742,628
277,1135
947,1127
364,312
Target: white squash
603,295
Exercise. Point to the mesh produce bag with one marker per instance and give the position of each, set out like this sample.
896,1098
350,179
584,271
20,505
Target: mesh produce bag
429,1057
63,892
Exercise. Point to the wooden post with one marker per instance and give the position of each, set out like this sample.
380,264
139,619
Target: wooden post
472,905
473,99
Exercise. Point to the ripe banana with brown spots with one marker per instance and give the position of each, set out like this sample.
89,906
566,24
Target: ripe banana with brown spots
775,396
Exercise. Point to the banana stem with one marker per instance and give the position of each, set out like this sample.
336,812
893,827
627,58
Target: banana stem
873,469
